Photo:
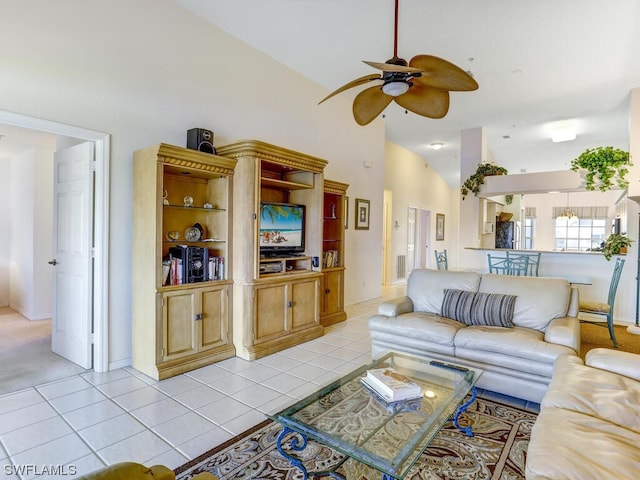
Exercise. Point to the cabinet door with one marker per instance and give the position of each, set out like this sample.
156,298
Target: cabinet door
333,284
304,304
178,325
214,324
270,312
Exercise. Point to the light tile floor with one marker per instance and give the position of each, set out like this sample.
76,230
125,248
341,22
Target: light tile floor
76,425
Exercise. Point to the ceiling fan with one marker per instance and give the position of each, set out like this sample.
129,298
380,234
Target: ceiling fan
421,86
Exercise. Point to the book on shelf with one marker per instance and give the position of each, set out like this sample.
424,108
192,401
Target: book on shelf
216,268
330,258
391,385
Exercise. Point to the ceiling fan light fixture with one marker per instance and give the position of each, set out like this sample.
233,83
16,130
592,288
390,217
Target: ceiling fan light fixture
395,89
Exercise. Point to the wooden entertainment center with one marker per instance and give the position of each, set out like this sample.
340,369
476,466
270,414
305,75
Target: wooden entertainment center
266,302
276,307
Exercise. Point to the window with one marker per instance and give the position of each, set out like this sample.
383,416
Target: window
529,232
579,233
529,227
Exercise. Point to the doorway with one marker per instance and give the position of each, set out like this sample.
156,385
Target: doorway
98,230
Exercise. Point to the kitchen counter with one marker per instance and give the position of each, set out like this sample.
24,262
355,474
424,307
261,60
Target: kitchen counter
565,252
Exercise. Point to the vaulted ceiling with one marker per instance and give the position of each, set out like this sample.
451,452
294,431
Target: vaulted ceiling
537,62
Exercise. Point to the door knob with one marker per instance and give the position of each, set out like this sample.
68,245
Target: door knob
53,262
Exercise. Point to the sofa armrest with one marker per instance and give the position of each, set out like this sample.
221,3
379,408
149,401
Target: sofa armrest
564,331
395,307
623,363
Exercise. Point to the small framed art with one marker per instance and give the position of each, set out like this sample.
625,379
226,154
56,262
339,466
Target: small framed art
439,226
362,214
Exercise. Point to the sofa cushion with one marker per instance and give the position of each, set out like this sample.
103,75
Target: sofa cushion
571,445
417,326
539,299
515,348
473,308
426,287
599,393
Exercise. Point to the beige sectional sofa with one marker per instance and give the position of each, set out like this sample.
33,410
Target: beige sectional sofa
589,423
517,360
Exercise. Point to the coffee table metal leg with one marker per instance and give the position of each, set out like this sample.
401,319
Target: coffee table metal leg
298,444
463,408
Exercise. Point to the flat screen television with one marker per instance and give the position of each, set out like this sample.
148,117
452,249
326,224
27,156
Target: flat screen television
281,229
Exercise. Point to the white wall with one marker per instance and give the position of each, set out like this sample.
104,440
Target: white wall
415,184
5,229
146,72
30,233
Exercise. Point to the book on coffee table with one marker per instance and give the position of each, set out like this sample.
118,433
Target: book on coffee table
391,385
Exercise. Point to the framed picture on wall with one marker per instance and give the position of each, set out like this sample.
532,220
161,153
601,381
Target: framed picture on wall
362,214
439,226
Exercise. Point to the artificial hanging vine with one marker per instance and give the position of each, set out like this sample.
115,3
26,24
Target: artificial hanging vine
605,166
472,184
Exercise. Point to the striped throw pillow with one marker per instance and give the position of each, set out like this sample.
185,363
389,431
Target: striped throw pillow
492,309
457,305
472,308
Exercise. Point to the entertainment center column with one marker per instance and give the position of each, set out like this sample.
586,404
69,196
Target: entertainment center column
276,302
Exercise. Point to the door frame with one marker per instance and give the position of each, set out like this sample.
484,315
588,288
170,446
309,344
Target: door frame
100,278
424,237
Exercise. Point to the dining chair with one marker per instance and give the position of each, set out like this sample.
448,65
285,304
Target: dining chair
605,309
441,260
518,266
534,261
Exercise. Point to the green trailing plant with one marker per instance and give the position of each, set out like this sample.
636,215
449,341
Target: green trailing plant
614,244
605,167
472,184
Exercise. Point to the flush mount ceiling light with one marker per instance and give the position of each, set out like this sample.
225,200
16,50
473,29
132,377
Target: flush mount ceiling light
437,145
563,131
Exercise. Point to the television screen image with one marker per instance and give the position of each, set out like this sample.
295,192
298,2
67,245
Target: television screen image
281,228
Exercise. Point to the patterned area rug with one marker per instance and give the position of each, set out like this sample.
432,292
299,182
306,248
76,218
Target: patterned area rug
498,450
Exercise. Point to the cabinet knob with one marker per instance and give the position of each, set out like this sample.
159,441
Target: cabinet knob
326,290
199,316
289,304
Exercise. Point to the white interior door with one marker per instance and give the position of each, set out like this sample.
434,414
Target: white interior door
71,324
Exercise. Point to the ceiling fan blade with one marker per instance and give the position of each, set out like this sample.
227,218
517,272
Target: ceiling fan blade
425,101
353,83
442,74
390,67
369,103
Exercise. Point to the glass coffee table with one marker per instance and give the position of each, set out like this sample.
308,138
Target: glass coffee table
389,437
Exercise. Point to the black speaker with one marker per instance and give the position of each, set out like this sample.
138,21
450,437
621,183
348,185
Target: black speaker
195,263
200,139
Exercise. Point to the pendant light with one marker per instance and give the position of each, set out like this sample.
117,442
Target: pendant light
567,214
